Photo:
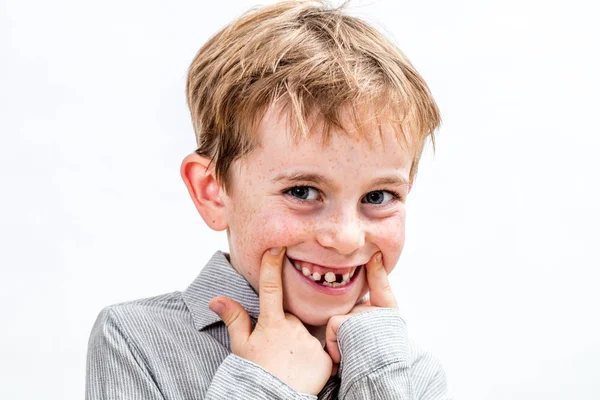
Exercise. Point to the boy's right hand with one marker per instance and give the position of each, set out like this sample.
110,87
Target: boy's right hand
279,343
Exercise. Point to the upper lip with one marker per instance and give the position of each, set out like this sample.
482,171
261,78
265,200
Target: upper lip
332,267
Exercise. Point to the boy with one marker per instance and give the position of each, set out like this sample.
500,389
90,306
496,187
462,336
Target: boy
310,126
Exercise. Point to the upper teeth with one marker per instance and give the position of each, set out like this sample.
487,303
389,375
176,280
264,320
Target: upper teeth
329,278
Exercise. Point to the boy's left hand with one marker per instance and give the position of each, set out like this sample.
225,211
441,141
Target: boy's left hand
380,296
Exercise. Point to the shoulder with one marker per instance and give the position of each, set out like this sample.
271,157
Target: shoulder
142,318
426,369
420,355
145,346
165,304
154,337
169,304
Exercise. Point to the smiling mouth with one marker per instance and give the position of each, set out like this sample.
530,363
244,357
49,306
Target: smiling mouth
330,278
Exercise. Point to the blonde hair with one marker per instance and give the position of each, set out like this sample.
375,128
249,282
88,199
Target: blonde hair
313,61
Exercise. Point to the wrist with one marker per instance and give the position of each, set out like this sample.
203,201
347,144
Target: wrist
263,381
370,340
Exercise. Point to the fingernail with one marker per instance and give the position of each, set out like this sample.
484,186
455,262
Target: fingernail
276,250
378,257
217,307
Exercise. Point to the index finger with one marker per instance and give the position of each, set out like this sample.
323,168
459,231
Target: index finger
270,290
380,290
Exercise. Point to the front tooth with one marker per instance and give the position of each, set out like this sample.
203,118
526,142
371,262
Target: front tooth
330,277
346,277
352,273
305,271
316,276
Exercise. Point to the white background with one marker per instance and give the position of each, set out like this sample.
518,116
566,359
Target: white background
499,274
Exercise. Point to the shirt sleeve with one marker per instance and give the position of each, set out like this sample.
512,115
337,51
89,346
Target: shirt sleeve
115,370
379,362
238,378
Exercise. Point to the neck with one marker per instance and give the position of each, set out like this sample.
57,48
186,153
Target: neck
318,332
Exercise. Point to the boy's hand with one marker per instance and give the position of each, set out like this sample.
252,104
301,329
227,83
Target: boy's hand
279,343
380,295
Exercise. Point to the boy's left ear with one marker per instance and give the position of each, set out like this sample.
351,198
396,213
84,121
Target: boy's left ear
206,192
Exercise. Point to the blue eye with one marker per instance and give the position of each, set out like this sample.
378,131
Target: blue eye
303,193
379,197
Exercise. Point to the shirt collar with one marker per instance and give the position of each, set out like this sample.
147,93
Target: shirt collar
218,278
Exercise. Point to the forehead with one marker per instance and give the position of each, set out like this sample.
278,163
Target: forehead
363,136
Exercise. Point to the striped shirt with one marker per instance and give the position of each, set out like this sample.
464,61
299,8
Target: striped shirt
173,347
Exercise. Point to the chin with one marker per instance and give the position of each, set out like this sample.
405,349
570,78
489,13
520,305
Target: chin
314,320
309,316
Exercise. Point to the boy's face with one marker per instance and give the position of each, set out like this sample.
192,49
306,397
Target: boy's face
333,206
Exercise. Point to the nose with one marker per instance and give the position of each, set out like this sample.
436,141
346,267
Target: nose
342,232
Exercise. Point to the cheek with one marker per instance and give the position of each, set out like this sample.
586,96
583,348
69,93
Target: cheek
272,227
254,230
390,240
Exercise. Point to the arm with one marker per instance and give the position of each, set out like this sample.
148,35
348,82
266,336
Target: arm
379,362
115,369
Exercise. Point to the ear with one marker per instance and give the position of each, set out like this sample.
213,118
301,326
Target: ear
205,191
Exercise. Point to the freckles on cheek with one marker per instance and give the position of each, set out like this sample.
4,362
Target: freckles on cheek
279,230
391,241
261,228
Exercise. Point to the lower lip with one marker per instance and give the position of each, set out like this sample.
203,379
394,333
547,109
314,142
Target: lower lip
337,291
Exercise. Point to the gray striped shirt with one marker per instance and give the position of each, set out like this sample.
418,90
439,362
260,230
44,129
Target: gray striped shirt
173,347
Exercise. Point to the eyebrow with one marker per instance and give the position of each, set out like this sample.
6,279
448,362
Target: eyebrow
302,177
318,179
396,180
